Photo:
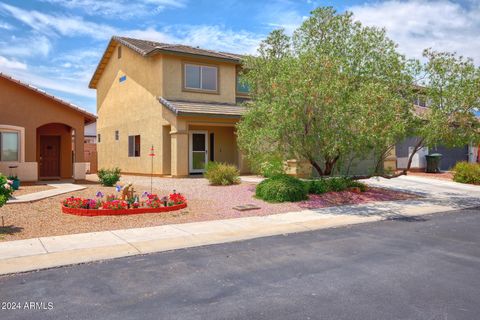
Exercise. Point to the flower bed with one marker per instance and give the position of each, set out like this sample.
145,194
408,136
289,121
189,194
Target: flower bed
113,212
127,203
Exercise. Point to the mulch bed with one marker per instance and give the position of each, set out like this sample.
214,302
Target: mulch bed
45,217
332,199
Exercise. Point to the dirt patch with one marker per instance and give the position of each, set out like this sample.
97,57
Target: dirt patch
45,218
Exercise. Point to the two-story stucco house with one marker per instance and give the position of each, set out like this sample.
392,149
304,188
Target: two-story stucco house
181,100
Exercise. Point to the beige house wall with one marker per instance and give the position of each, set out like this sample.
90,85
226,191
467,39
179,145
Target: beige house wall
132,108
173,88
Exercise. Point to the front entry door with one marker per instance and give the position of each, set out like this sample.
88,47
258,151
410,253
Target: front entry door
198,151
49,156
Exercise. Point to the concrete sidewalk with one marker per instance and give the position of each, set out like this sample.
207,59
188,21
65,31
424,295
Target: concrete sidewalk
48,252
59,188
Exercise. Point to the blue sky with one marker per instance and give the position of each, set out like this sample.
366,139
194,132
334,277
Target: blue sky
56,44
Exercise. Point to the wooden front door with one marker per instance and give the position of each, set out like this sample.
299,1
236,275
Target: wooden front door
49,156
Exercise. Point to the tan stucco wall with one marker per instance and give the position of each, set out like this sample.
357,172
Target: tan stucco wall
173,81
132,108
22,107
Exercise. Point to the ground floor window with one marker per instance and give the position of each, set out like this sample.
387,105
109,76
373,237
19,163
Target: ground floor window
134,146
9,142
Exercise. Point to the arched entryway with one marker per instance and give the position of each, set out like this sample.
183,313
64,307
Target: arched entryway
55,151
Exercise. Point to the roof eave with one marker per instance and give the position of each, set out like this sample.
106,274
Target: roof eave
193,55
208,115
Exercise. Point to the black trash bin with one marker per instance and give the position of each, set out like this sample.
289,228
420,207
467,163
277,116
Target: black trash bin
433,162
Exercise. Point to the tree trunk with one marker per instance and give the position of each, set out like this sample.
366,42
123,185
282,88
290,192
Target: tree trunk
317,167
417,147
329,165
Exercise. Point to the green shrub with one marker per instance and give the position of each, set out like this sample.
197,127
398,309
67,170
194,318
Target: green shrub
282,188
465,172
222,174
109,177
318,186
272,167
334,184
357,184
6,190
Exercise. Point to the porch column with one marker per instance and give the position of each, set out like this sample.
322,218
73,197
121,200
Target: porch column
179,149
79,166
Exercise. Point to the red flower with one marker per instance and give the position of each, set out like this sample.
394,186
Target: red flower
115,205
177,198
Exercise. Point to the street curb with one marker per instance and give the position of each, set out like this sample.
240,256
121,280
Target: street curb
229,230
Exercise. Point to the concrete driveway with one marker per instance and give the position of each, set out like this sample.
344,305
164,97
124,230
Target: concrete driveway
435,192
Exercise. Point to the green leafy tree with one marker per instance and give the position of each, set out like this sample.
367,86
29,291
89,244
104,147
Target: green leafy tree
450,85
332,90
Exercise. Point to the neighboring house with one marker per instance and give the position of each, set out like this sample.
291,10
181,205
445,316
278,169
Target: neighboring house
41,136
90,133
182,101
90,147
450,156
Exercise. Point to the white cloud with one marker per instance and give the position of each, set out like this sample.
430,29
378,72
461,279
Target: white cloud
50,24
49,82
5,26
6,63
35,45
206,36
217,38
120,8
416,25
282,14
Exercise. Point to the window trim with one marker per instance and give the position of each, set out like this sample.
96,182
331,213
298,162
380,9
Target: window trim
199,90
134,145
20,131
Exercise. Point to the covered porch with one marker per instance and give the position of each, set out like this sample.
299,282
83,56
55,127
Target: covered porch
197,134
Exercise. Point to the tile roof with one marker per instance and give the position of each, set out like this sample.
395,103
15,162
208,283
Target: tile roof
188,108
89,116
146,47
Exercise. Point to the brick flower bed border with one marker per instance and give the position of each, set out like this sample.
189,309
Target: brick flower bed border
113,212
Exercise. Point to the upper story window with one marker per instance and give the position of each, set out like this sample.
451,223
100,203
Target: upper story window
119,52
420,100
9,142
198,77
242,88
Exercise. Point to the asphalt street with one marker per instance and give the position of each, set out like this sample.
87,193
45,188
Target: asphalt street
407,268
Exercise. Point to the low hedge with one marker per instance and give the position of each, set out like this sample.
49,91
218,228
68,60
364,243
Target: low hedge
465,172
222,174
109,177
282,188
335,184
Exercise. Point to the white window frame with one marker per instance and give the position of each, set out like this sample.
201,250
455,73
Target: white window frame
20,131
185,65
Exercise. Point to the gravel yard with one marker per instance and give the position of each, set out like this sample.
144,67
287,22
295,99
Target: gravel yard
45,218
